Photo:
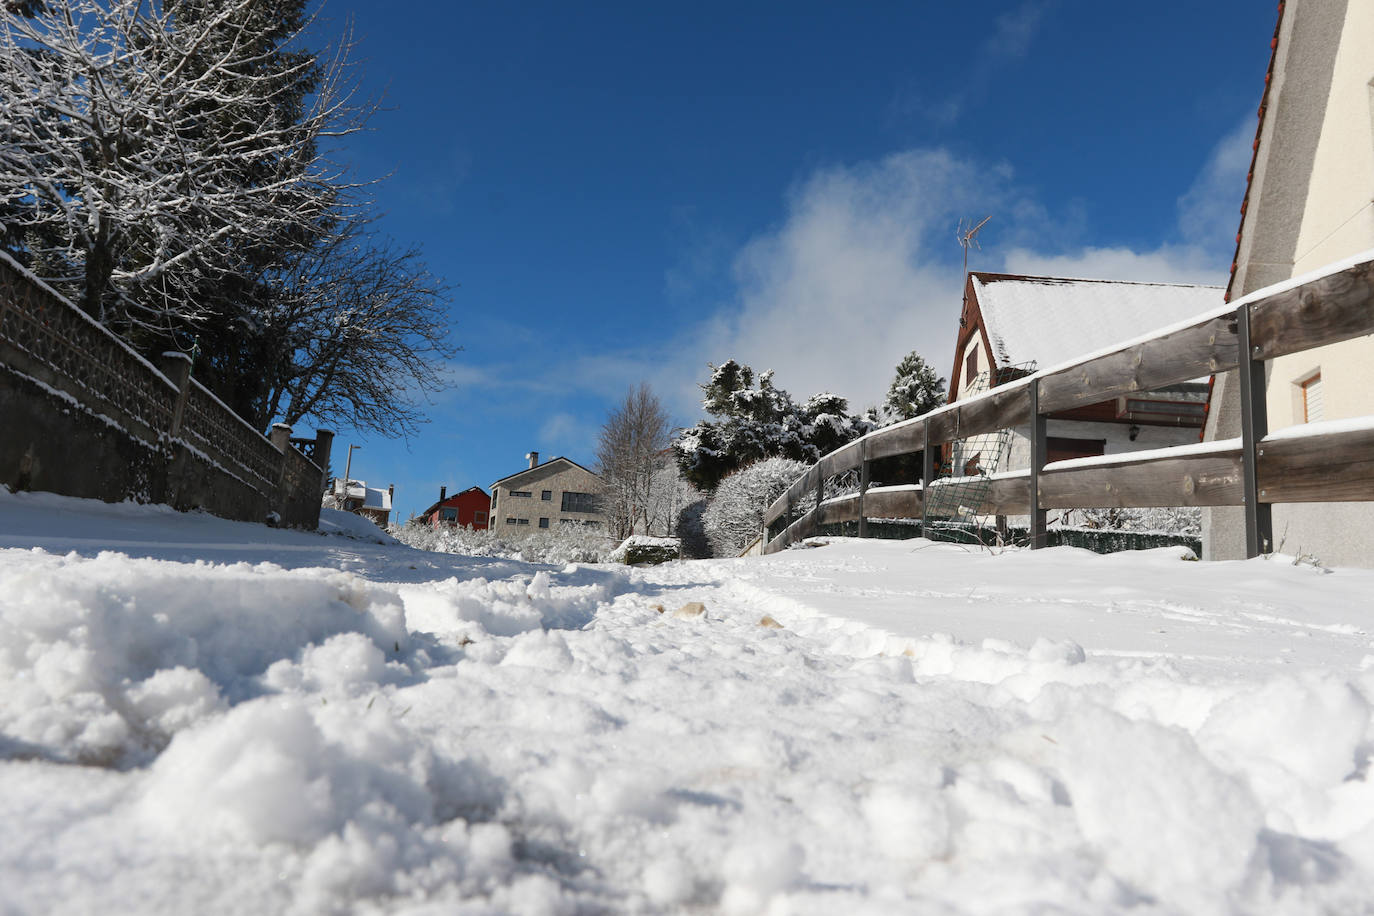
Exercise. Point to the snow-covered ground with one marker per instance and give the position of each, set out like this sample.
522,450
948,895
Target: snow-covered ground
199,716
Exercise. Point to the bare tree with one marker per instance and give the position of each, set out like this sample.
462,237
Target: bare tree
631,453
362,332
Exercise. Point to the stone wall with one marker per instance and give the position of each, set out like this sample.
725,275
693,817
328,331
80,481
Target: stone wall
82,414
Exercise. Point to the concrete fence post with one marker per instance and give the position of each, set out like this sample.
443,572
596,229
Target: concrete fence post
177,367
324,444
280,437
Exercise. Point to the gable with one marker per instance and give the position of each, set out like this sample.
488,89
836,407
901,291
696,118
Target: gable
527,478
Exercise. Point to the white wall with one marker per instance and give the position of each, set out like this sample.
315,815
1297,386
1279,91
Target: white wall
1310,204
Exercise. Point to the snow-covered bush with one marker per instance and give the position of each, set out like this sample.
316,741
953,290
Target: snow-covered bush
1172,520
640,548
559,546
734,517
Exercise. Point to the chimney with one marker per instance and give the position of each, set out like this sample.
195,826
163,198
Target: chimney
391,493
443,491
534,459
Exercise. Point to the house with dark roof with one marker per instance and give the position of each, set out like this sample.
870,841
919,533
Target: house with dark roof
558,493
1013,325
468,509
1308,202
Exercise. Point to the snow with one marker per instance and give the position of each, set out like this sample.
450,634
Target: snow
1052,321
215,717
1322,428
1194,450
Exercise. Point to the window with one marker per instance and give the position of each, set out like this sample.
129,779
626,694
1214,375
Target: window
1059,449
479,518
1313,400
971,367
522,521
543,523
448,514
525,493
579,502
510,521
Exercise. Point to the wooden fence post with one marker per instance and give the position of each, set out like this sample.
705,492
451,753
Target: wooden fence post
865,474
1039,446
1254,425
820,496
927,463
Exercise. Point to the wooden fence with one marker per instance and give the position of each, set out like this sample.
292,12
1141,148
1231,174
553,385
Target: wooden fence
1326,462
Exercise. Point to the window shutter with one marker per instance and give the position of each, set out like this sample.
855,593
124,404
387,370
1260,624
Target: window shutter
1313,401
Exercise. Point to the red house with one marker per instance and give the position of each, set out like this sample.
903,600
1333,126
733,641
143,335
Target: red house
468,509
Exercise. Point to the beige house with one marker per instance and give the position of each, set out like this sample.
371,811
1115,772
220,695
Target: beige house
557,493
1309,202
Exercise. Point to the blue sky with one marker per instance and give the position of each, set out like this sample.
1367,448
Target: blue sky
626,192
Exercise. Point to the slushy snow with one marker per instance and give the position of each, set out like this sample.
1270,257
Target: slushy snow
204,716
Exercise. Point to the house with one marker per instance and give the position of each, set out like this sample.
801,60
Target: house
360,499
468,509
1014,325
1308,203
557,493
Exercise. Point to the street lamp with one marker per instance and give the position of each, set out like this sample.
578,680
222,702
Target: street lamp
340,502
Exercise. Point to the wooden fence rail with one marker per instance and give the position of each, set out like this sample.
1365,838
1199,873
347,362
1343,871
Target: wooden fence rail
1319,462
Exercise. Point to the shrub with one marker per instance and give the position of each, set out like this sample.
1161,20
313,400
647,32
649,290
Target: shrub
734,516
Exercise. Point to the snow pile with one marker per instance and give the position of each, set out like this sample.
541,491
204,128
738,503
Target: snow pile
559,546
641,548
858,728
352,525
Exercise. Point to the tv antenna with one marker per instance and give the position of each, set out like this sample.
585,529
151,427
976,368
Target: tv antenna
967,237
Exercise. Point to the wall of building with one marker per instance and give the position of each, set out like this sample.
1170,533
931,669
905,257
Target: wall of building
1116,437
1311,203
557,478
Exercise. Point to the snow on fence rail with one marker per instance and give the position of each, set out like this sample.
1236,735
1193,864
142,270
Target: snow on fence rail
1319,462
205,454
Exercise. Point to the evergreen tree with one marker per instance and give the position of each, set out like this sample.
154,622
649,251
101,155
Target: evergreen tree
915,390
756,422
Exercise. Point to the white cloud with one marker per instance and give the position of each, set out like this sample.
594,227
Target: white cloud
863,267
563,433
862,270
1008,42
1208,213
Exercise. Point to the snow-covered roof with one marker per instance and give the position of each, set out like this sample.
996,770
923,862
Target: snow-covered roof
372,497
1052,320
